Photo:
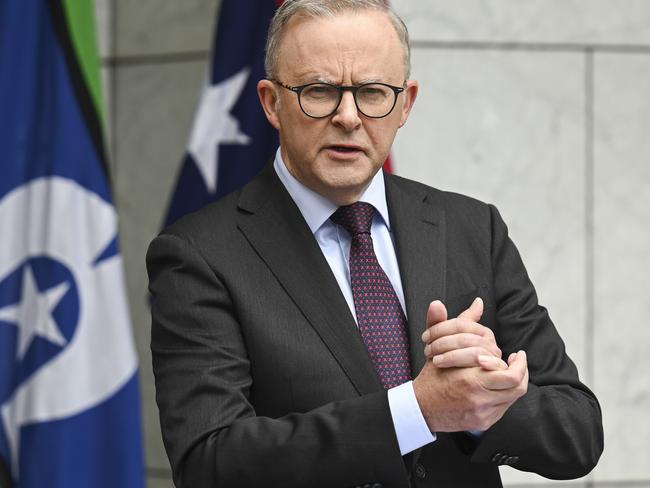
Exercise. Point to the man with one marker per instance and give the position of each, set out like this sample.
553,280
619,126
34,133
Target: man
281,346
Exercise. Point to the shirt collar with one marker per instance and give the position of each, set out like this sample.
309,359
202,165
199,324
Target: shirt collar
315,208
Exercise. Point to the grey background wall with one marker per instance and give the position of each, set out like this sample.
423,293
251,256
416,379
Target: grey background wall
539,106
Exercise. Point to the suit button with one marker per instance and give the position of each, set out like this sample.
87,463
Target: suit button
500,458
512,460
420,472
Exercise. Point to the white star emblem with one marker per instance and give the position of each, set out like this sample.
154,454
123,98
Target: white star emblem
214,125
33,314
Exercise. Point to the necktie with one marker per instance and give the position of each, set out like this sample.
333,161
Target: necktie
381,320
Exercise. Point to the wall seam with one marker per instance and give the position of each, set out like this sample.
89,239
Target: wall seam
590,314
531,46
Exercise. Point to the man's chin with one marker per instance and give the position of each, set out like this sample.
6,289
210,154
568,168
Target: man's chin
344,189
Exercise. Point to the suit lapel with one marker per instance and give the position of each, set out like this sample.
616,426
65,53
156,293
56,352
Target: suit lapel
274,226
419,231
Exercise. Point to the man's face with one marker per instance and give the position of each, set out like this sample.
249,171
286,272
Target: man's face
337,156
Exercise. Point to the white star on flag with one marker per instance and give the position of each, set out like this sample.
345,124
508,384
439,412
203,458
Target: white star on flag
214,125
33,314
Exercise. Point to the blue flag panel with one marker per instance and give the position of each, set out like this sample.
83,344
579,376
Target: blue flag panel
69,400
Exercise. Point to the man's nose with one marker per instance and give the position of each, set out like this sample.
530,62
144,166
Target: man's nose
347,114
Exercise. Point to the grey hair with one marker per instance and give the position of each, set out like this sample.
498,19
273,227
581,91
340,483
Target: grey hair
327,8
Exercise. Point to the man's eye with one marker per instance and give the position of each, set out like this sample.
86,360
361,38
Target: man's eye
373,93
318,91
373,90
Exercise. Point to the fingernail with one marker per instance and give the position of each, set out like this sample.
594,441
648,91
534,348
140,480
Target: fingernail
427,350
425,336
437,360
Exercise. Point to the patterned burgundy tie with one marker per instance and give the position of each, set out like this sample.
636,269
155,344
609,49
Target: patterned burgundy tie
379,314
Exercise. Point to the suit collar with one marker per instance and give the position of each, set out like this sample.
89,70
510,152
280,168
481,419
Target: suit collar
419,230
272,223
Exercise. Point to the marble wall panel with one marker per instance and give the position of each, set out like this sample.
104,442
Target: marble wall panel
622,262
159,482
535,21
153,112
508,128
103,25
154,27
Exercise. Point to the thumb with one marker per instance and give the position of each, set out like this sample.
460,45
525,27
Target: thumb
475,310
437,313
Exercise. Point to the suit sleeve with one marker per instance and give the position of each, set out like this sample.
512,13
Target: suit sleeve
212,434
555,429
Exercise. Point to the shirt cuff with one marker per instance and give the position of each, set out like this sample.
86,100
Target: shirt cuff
411,429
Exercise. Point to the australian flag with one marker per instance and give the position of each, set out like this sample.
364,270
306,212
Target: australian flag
69,400
231,139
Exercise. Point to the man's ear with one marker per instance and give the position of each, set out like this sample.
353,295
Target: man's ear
410,94
268,94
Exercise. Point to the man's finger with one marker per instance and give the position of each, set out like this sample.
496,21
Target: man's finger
459,325
475,310
466,357
491,363
461,341
510,378
436,313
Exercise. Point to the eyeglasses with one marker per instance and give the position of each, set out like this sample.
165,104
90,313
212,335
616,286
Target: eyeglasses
318,100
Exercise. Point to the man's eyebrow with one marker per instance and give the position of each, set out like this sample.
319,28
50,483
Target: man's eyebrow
323,79
311,78
370,80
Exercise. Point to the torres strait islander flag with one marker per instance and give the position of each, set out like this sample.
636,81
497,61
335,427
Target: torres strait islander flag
69,399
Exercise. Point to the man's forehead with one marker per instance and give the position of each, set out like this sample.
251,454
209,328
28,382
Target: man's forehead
320,48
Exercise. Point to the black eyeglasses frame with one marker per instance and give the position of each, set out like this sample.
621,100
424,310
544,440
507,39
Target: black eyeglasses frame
342,88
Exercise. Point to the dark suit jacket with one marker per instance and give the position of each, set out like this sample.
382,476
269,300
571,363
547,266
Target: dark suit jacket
262,378
5,479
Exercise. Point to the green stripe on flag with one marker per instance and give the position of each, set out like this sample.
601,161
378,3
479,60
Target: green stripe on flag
80,16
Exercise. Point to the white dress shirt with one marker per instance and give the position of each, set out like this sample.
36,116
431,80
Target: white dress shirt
410,426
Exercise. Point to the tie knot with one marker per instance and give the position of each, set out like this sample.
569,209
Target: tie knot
355,218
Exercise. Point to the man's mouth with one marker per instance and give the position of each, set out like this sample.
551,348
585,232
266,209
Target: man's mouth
344,149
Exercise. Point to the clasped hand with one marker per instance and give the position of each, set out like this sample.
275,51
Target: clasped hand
464,384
